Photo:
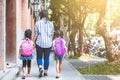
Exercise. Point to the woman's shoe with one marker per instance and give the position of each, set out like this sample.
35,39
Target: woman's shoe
41,71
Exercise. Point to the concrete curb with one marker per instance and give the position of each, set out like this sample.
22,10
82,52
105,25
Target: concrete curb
11,73
81,77
17,74
4,73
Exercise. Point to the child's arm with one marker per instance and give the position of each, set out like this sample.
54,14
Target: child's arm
19,53
53,45
66,54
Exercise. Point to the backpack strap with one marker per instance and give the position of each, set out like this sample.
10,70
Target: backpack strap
27,39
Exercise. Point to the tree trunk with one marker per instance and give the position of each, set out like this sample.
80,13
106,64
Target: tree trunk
104,32
72,39
108,42
80,43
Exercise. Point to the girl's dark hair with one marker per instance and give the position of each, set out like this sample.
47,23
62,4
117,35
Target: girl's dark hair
28,33
59,33
43,14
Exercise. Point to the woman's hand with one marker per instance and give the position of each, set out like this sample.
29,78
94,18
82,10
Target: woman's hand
34,41
34,45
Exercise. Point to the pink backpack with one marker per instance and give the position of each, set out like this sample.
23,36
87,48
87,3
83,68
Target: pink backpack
26,48
59,47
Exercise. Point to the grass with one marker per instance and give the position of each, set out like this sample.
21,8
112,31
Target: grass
104,68
84,56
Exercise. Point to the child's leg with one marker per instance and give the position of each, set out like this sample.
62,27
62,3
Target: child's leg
57,67
29,66
24,68
60,66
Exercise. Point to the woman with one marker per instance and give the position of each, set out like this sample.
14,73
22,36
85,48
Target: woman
43,34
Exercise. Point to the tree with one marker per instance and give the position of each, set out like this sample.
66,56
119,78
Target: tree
102,28
76,12
56,7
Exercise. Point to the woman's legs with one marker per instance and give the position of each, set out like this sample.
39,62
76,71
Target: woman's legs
39,51
46,60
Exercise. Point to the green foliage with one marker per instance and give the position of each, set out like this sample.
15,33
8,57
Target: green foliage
102,68
76,16
57,8
114,18
90,23
76,10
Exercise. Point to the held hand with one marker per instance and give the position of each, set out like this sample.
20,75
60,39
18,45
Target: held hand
34,45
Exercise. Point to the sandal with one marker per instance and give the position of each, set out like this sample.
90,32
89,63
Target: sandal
29,75
23,77
57,77
45,74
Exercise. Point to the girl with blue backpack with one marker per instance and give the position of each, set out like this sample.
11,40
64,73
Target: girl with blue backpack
26,52
59,50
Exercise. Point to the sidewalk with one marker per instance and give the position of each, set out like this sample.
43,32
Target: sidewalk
68,72
10,72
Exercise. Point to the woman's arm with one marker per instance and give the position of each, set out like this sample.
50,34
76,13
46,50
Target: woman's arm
34,41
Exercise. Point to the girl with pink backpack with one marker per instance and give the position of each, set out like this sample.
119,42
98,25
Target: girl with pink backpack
26,52
59,50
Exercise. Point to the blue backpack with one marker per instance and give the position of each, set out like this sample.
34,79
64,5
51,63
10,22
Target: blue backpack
59,47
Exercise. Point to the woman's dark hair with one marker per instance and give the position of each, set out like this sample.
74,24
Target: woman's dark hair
43,14
28,33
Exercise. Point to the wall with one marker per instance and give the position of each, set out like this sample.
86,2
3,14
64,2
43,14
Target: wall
26,16
24,20
2,34
11,31
15,17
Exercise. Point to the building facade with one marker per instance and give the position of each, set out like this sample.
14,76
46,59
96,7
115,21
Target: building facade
15,18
